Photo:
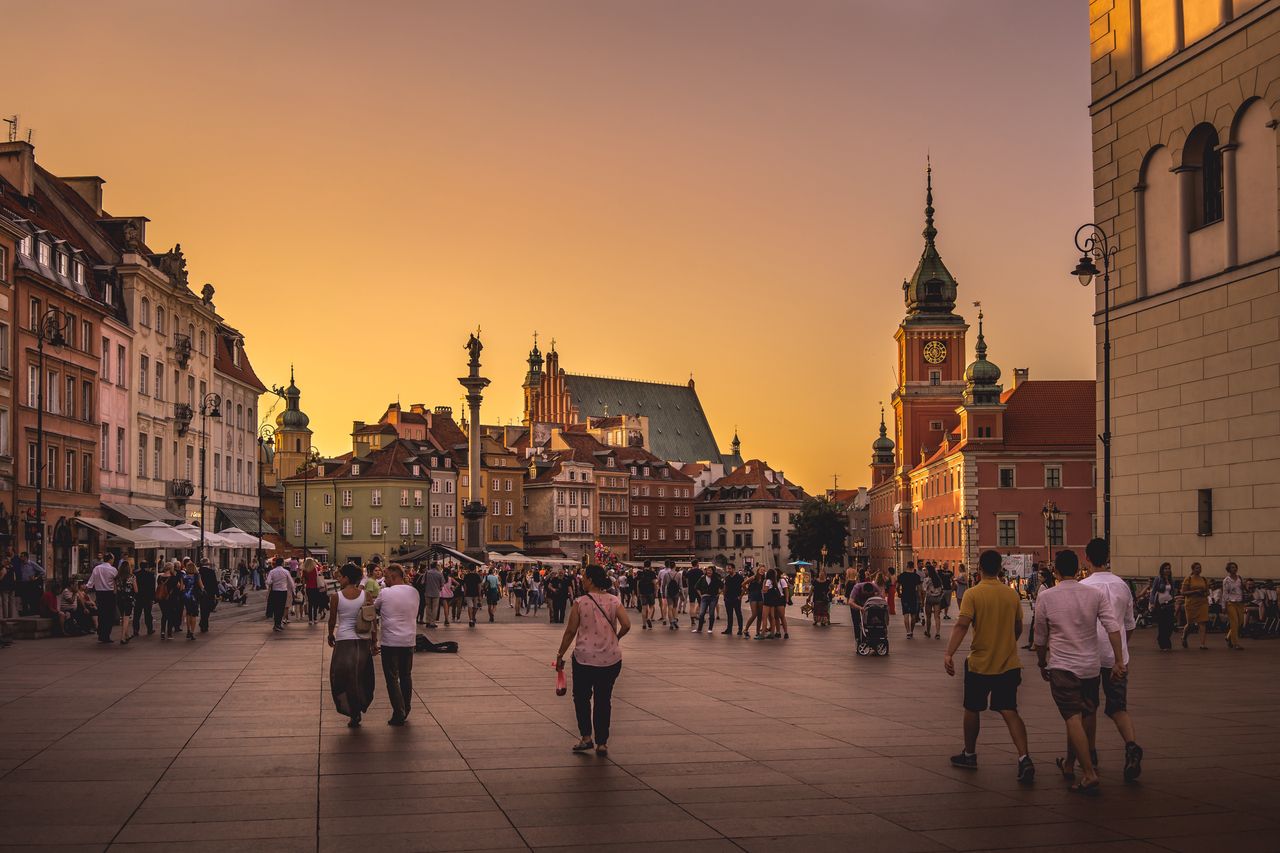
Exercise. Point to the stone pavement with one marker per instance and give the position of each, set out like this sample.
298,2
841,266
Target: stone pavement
231,743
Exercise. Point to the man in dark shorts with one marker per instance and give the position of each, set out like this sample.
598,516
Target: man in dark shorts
992,671
673,596
691,579
909,595
1066,638
646,590
732,599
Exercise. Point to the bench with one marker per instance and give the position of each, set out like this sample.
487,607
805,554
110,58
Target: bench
28,628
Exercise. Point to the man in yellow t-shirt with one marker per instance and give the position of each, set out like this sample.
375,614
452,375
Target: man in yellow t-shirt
992,672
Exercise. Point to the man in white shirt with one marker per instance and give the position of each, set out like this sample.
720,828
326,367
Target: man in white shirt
1066,638
279,593
397,608
1115,690
1233,604
102,580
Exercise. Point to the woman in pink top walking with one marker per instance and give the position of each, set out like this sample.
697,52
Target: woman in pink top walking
599,621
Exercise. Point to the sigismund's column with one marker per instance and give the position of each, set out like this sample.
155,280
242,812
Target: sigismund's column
474,511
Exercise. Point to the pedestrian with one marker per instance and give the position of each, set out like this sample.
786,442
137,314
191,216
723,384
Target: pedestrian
471,583
891,587
447,593
692,576
279,592
1114,690
397,608
773,602
30,584
492,590
1162,594
947,581
351,679
674,596
1066,640
208,594
145,581
9,588
647,595
732,599
315,595
820,599
708,589
1233,604
1195,605
992,670
755,602
597,621
102,580
126,597
192,593
419,583
169,594
932,589
431,583
909,596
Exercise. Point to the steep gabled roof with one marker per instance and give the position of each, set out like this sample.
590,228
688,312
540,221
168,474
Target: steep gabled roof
1051,412
224,360
678,427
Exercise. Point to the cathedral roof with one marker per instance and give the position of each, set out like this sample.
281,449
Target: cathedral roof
678,427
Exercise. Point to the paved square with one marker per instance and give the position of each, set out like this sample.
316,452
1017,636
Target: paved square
231,743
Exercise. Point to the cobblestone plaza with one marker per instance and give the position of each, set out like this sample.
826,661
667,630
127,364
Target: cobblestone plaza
231,743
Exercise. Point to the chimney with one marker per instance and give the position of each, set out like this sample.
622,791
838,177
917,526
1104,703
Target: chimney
1020,375
444,411
18,166
89,188
418,408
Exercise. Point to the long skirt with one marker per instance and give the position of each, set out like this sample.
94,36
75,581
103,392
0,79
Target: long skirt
351,676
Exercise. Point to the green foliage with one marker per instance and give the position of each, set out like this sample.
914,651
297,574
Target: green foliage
819,522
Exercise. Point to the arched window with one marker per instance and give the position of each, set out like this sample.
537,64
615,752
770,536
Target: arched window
204,344
144,312
191,334
1158,224
159,320
1255,206
239,416
1202,154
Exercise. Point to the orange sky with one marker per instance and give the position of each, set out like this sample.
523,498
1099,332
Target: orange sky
729,188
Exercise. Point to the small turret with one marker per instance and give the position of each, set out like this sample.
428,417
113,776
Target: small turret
982,377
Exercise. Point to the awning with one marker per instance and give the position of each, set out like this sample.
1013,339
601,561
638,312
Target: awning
245,518
164,535
446,551
142,514
495,557
239,539
115,531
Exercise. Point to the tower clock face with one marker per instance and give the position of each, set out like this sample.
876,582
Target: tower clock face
935,352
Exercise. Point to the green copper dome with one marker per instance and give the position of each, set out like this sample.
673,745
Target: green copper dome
930,293
882,448
982,377
292,417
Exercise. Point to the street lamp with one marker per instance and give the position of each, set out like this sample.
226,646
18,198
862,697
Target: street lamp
52,325
823,551
896,535
1051,515
1093,244
210,407
969,519
266,438
313,458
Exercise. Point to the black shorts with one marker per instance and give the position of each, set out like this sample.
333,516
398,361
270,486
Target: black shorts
911,606
1116,693
646,599
492,596
1073,694
693,597
1001,690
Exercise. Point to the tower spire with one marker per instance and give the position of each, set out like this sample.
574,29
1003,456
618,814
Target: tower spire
929,231
980,348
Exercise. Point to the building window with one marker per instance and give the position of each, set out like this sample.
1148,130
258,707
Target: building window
69,471
4,432
1007,532
935,377
1056,531
86,401
404,497
346,527
375,497
157,458
417,496
346,498
1007,479
144,313
33,464
1053,476
217,471
1202,153
375,526
144,372
44,253
936,426
327,528
297,499
159,320
297,528
404,527
328,499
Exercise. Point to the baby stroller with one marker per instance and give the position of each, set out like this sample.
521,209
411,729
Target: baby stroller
874,637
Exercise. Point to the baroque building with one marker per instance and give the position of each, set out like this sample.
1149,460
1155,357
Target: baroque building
1186,97
747,516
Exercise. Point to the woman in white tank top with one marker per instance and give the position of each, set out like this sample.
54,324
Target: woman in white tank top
351,665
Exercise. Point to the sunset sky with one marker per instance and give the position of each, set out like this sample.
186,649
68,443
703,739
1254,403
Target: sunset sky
728,189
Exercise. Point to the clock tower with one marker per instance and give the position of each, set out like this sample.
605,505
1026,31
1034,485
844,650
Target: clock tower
931,355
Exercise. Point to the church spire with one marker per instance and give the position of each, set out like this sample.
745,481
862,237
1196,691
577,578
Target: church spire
982,377
929,231
930,293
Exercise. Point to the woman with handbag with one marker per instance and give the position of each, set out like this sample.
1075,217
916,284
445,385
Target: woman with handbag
1195,603
353,638
597,621
1162,595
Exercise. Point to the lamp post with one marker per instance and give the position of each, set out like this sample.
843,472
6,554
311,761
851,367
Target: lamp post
266,438
823,552
1093,244
1051,515
52,325
970,520
896,535
210,407
313,458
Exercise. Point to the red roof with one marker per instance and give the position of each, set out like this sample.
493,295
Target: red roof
759,481
224,360
1056,412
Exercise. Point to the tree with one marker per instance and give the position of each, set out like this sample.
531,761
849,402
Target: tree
819,522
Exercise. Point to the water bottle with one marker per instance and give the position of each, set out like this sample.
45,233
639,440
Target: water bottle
561,687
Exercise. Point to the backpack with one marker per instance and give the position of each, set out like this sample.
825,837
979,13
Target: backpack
162,590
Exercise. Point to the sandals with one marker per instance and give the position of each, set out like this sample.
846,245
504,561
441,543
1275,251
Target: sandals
1089,788
1061,763
583,746
602,751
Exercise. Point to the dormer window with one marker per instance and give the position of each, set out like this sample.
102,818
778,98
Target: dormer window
24,246
355,470
63,263
448,463
77,275
609,463
417,470
43,250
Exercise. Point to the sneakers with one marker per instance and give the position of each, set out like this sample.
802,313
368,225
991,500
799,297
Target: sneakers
967,760
1132,761
1026,771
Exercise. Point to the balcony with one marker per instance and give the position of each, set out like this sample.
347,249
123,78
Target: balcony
182,415
180,490
182,350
